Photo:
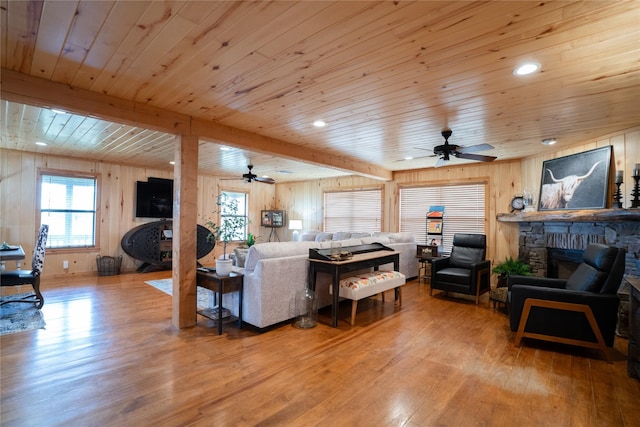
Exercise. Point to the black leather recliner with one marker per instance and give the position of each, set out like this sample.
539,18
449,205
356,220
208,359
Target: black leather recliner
466,271
581,310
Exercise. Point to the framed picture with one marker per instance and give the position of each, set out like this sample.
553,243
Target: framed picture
272,218
578,181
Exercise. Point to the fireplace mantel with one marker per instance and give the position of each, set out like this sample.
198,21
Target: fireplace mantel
597,215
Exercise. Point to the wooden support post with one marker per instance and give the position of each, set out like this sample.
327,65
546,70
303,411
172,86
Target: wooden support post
184,231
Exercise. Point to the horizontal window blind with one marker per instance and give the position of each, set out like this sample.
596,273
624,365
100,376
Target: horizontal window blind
68,206
359,210
464,210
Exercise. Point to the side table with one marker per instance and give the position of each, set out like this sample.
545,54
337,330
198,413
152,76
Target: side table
209,279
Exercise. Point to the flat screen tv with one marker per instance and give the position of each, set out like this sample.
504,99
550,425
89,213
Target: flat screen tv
154,198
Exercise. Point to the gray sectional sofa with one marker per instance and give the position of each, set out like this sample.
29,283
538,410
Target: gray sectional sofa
275,271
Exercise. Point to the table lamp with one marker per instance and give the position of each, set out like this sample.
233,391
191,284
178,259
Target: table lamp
295,225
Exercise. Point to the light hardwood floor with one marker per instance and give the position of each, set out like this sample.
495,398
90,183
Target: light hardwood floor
109,356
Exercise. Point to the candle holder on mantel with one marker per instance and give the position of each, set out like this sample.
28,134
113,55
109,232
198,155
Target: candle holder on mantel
617,196
635,203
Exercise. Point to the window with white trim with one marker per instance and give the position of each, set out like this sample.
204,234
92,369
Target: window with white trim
236,206
353,210
68,205
464,212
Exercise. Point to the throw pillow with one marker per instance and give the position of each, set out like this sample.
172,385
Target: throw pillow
241,256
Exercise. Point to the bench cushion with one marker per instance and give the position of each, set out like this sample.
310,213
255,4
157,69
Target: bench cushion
371,283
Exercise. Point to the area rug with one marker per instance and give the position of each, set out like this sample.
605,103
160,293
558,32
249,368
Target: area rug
166,286
19,316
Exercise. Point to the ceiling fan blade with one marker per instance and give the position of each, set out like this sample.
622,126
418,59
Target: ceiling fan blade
264,180
475,148
477,157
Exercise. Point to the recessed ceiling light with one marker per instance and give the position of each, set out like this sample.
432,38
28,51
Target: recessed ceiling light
319,123
225,148
528,68
40,143
548,141
172,162
58,111
408,158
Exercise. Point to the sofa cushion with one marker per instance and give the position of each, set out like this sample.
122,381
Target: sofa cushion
360,235
401,237
323,237
343,235
276,250
241,256
375,239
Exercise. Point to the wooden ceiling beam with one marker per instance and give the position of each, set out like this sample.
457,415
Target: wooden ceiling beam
26,89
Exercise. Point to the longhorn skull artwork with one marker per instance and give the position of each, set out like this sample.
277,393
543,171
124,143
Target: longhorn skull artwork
558,194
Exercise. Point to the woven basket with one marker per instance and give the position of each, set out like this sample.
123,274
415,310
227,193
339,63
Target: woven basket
108,265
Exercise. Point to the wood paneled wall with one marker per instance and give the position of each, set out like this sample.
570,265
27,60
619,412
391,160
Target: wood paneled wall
301,200
626,153
116,207
305,199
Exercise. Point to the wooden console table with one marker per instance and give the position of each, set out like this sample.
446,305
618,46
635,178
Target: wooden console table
336,268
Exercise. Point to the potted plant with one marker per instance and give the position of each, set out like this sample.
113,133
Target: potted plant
510,267
229,228
251,239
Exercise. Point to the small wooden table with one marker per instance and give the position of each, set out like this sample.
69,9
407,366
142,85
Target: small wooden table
209,279
16,254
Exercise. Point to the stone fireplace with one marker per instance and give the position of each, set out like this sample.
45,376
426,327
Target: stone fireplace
555,240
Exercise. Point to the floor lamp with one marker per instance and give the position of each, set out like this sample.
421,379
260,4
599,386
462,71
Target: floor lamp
295,225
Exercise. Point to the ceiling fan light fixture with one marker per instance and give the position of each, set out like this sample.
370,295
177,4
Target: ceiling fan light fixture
527,68
319,123
408,158
549,141
225,148
40,143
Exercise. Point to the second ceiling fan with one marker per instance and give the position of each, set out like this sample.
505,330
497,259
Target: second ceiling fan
446,150
250,176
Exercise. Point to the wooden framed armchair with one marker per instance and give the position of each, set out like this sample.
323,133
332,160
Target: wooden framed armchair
466,271
581,310
29,277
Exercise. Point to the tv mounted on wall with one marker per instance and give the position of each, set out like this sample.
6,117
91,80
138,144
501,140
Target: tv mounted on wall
154,198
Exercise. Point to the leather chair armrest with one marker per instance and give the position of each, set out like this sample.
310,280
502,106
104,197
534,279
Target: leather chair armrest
482,265
535,281
440,263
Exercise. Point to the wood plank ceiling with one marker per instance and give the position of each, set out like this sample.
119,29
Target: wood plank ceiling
386,77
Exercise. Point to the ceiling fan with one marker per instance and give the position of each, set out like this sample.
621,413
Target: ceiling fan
250,176
446,150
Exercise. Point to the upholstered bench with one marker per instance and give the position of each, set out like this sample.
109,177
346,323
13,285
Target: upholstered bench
367,284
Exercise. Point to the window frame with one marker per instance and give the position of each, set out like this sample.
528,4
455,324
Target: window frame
354,190
221,215
96,176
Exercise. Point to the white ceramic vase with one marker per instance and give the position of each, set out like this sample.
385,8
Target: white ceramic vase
223,267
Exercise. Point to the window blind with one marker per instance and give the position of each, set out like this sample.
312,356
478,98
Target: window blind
464,210
357,210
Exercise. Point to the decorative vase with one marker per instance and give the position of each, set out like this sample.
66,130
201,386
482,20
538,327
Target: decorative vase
223,267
